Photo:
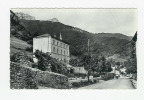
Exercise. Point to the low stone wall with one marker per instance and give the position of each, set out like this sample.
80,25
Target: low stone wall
53,80
23,77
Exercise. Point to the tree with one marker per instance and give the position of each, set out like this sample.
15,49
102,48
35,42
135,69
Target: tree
35,34
73,62
95,66
108,67
44,60
132,61
118,63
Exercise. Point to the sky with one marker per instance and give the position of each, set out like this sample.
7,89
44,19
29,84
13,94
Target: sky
92,20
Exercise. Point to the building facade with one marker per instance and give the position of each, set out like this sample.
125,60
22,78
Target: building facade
80,70
58,48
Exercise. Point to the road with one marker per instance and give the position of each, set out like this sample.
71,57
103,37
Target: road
121,83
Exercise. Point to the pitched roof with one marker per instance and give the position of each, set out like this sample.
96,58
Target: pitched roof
47,35
44,35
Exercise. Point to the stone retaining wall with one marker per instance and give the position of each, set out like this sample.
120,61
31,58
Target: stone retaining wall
23,77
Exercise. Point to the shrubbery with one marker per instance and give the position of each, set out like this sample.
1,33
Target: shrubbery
35,65
134,76
22,58
30,49
80,75
107,76
95,81
45,60
81,83
96,74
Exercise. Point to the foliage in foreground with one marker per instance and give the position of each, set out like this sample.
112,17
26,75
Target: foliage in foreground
93,63
45,61
82,83
131,64
22,58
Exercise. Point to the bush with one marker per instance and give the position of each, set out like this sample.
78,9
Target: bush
107,76
95,81
30,49
30,42
82,83
45,60
76,84
70,75
80,75
35,65
96,75
134,76
22,58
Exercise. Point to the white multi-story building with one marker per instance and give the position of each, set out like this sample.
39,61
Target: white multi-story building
58,48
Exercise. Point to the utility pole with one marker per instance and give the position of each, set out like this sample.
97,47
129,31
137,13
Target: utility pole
88,58
47,42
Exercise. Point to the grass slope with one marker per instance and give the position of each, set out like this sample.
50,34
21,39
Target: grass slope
17,45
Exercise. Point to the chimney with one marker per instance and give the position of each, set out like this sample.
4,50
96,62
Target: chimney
60,36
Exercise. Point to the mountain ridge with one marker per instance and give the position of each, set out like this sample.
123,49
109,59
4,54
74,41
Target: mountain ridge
75,36
116,35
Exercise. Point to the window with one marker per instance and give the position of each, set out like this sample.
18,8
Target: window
57,50
64,52
64,45
54,49
53,41
61,44
61,51
57,43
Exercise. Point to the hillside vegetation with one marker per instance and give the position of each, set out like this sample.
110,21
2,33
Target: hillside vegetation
102,43
18,37
17,45
116,35
106,44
